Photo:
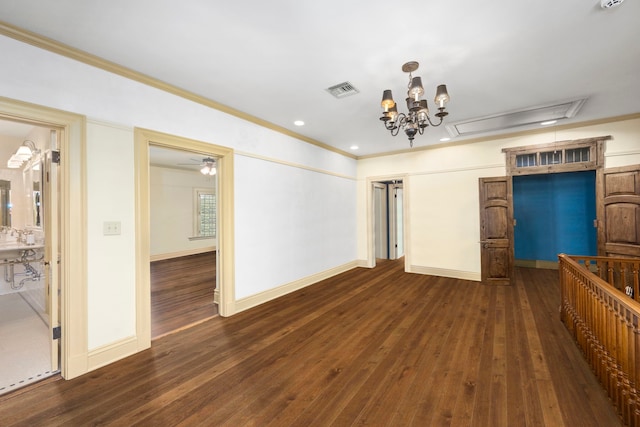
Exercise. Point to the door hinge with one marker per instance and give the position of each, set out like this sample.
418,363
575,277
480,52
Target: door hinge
55,157
56,333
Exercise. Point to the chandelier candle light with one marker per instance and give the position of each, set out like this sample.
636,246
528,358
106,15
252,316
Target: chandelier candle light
417,119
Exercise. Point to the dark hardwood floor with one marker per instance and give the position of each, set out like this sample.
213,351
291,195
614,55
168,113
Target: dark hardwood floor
182,292
368,347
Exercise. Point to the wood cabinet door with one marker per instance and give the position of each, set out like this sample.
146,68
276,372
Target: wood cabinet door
618,210
496,230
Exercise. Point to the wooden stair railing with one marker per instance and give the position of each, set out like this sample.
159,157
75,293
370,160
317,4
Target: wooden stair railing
605,323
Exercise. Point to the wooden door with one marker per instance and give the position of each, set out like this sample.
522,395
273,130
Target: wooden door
618,210
496,230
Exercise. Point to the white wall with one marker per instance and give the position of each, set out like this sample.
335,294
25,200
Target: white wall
313,213
441,186
172,213
110,259
115,106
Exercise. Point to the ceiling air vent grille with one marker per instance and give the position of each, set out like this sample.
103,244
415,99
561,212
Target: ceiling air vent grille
343,89
514,119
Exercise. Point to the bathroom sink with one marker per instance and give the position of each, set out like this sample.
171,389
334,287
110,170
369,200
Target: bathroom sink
17,246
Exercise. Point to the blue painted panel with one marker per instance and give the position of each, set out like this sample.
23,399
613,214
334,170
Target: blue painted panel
554,214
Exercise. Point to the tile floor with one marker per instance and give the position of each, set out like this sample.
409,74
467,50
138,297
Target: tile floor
24,344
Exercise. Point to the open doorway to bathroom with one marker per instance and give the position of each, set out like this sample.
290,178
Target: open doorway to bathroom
183,238
29,312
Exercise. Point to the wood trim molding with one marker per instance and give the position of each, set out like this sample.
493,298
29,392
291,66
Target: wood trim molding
363,263
444,272
73,218
226,241
107,354
294,165
54,46
548,265
596,146
509,135
271,294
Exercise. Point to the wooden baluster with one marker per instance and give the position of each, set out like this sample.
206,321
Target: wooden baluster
610,279
636,371
604,326
604,332
627,367
623,277
622,381
636,285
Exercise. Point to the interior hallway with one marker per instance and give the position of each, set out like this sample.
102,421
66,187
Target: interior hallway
369,346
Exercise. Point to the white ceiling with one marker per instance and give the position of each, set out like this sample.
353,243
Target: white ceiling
274,59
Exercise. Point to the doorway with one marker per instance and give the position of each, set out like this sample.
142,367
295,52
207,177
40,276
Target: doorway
554,213
183,232
388,218
29,309
225,292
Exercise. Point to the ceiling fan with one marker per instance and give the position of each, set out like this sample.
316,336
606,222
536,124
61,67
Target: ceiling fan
207,164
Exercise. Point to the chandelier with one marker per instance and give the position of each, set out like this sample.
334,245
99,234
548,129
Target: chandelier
417,119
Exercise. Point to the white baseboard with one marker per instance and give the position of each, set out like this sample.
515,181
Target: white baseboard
110,353
271,294
444,272
187,252
76,366
363,263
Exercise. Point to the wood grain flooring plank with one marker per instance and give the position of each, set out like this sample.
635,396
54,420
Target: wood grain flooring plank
464,406
366,347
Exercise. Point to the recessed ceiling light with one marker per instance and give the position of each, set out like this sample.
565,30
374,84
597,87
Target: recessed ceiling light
354,147
549,122
298,123
445,139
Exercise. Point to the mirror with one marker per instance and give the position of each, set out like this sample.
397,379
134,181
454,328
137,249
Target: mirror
32,175
5,203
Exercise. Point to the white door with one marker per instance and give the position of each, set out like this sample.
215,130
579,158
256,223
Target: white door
399,223
52,244
380,220
396,229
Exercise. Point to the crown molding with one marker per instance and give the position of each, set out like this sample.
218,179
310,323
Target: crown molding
54,46
506,135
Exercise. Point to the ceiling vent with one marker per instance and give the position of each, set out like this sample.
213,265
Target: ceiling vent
342,90
606,4
534,115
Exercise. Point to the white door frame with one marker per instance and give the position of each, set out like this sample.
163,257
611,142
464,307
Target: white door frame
225,247
377,227
393,219
72,198
371,253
